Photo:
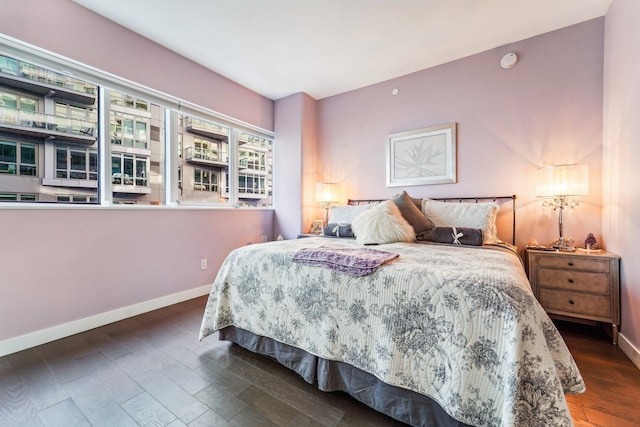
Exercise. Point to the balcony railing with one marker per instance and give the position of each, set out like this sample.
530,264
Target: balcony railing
207,157
256,142
46,125
42,75
204,128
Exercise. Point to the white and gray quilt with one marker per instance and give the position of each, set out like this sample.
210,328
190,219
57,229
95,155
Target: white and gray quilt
457,324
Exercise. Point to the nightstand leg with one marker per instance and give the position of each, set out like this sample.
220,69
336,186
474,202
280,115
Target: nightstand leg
614,332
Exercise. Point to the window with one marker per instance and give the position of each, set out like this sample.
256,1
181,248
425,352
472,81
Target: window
137,150
206,157
74,162
129,131
129,169
8,157
58,133
28,159
123,100
23,164
205,180
18,197
255,177
18,102
49,147
8,65
75,198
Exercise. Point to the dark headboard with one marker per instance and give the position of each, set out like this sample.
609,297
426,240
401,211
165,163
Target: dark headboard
503,199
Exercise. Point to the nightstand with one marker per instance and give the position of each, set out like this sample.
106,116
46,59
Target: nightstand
577,285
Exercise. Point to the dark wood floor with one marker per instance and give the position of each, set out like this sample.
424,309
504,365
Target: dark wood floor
151,370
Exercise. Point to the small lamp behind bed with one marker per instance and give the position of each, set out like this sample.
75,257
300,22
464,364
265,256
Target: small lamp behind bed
327,194
561,185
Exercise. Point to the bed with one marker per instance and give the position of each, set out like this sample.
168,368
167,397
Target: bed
440,335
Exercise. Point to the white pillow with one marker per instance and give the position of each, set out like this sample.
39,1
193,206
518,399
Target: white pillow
346,214
382,223
471,215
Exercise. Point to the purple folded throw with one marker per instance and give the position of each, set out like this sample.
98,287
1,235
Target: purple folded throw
353,261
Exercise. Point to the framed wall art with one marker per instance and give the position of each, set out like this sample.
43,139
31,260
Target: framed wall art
422,156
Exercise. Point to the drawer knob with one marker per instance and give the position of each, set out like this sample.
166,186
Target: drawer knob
570,264
570,280
571,301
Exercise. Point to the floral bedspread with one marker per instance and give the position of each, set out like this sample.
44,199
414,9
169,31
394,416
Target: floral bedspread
458,324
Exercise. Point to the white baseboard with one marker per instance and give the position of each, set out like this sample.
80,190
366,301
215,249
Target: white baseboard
629,349
43,336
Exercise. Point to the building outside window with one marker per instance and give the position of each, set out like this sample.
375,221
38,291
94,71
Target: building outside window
205,157
18,197
74,162
49,150
17,158
49,147
205,180
137,150
255,174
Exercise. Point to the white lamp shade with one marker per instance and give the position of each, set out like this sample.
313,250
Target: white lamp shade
562,180
327,192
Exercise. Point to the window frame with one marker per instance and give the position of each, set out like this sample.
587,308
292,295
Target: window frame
106,83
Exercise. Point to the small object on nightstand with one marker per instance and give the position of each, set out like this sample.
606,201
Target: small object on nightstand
316,227
279,237
590,242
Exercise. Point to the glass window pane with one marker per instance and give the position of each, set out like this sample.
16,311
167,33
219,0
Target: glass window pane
59,122
8,65
28,104
93,161
28,154
10,101
78,160
137,123
203,159
116,170
8,151
128,170
6,197
255,178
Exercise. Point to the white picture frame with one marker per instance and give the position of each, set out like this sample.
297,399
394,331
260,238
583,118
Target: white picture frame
422,157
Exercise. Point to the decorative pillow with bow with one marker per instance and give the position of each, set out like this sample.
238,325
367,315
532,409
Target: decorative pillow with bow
457,235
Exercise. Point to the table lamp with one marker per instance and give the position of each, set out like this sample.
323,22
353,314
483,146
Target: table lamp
560,185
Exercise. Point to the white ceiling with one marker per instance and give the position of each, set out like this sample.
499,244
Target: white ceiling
327,47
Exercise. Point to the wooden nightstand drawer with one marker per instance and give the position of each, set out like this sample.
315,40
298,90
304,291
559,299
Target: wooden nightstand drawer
597,283
574,285
576,303
573,262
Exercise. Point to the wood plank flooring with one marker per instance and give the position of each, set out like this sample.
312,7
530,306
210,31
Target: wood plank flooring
150,370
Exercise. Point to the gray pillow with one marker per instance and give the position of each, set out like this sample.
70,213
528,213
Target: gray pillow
463,235
414,216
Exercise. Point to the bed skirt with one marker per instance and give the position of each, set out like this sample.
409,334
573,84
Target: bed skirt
401,404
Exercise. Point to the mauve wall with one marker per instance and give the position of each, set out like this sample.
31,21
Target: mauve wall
295,165
545,110
62,265
622,156
70,30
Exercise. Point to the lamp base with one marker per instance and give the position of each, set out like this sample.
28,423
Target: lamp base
563,245
565,248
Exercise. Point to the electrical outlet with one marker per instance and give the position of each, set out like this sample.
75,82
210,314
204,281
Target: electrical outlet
263,238
203,264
